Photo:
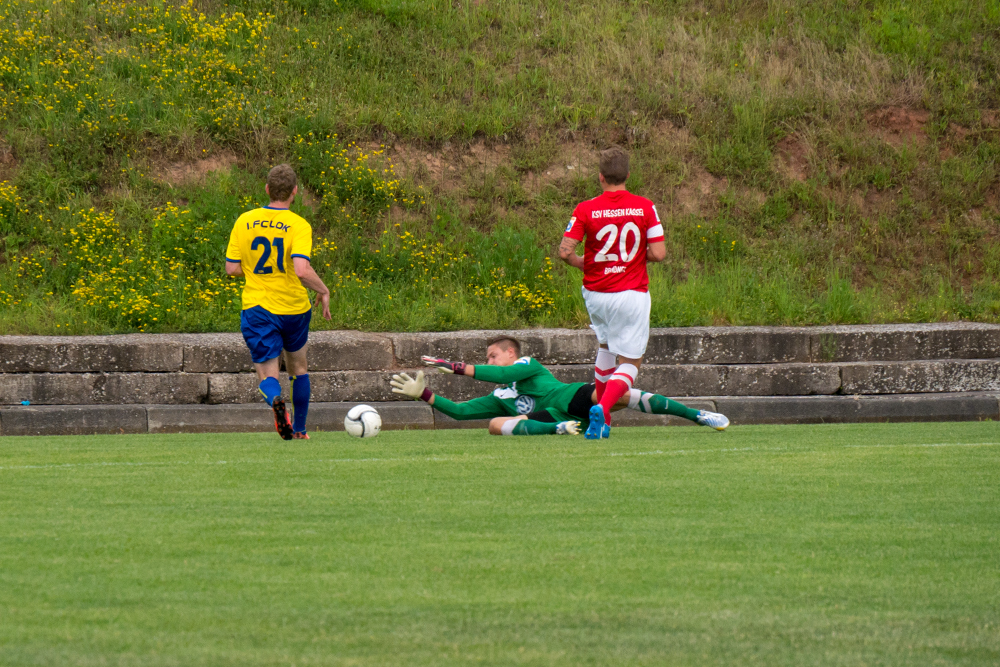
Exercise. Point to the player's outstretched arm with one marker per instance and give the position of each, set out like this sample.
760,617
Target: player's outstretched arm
521,370
308,276
446,366
567,253
486,373
483,407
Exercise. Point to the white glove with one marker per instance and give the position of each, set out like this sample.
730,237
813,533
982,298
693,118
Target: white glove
412,387
568,428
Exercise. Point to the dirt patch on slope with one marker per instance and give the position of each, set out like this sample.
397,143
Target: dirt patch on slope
899,125
7,162
957,133
953,137
687,187
188,172
993,199
791,158
698,193
432,167
573,159
445,169
485,157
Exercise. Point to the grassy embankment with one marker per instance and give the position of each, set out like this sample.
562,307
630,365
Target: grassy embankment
814,162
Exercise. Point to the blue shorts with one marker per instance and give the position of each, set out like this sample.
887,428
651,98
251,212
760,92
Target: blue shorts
267,334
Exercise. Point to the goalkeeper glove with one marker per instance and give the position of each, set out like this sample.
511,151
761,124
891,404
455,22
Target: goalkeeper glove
415,388
445,366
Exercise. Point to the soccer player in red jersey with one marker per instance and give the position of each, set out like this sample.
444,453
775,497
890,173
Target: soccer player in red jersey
623,233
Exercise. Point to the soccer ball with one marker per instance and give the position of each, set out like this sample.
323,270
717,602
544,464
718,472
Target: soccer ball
362,422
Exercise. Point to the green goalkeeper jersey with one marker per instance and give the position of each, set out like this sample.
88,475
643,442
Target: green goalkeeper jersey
526,386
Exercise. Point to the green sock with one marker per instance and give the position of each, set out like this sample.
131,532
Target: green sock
531,427
661,405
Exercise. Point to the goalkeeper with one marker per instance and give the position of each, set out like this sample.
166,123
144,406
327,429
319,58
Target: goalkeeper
530,400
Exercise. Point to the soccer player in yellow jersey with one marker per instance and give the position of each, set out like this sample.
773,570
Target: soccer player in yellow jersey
270,247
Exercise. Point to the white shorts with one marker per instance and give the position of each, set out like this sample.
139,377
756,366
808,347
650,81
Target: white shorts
620,320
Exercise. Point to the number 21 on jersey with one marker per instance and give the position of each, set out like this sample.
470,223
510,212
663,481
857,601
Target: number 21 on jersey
629,239
279,246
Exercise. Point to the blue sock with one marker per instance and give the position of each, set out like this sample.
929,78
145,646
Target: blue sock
270,388
300,390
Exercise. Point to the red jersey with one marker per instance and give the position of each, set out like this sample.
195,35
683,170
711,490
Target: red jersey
617,226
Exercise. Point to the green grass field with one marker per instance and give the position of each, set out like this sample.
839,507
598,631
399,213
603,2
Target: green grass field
834,545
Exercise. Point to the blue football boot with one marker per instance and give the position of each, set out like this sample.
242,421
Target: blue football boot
596,427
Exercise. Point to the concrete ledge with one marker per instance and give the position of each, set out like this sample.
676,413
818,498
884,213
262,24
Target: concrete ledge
216,353
337,386
634,418
548,346
101,419
901,342
670,380
334,386
914,377
854,409
256,418
719,379
359,351
328,351
442,420
73,420
349,351
396,415
146,353
677,380
102,388
245,418
729,345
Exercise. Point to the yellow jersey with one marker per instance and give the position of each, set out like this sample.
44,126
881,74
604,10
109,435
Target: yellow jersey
264,241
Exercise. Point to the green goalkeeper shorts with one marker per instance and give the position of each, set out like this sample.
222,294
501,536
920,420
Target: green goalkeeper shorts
578,408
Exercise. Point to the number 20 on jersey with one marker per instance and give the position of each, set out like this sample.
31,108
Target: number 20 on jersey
609,234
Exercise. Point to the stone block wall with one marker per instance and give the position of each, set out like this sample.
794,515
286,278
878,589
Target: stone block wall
790,364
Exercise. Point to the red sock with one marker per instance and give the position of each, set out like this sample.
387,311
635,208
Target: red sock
604,368
619,385
601,379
